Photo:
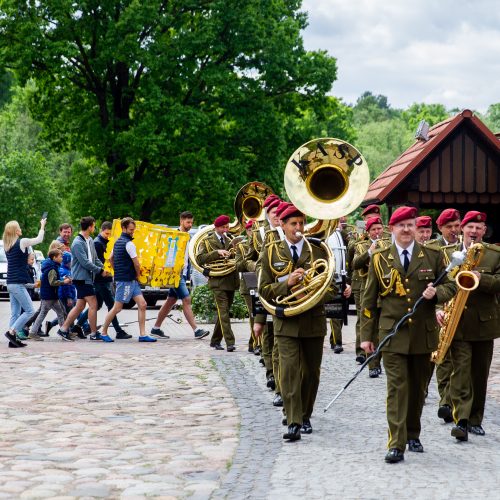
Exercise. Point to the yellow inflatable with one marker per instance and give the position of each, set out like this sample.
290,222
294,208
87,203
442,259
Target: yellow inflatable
160,250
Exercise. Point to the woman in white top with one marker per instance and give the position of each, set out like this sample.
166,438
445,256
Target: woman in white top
17,252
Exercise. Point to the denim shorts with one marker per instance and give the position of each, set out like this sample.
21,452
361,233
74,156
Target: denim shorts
83,289
181,292
126,291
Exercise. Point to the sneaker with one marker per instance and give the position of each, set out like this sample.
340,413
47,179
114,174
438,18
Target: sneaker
48,327
123,335
95,336
158,332
35,336
147,338
14,340
106,338
199,333
65,335
21,336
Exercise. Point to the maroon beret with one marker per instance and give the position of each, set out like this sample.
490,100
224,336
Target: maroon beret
473,216
281,207
273,204
372,220
249,224
222,220
270,198
375,209
424,221
291,211
402,213
447,215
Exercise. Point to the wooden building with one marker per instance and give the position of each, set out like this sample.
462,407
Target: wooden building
456,165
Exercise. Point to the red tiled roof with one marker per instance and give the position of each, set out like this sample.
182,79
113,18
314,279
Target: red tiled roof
398,170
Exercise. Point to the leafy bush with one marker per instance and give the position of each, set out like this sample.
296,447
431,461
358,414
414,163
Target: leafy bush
204,305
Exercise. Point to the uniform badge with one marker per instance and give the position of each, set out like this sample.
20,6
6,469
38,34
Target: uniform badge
421,254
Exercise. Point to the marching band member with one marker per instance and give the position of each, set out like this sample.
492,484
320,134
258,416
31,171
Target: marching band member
362,255
448,224
337,243
397,277
245,265
217,246
423,231
472,345
300,338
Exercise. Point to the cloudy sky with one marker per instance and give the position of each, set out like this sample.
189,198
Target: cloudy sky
432,51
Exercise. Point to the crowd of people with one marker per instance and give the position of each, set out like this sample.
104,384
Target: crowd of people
387,269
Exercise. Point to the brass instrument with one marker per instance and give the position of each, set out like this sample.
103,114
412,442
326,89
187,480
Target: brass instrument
466,281
325,178
247,205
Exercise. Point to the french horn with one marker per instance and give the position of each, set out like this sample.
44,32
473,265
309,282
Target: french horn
325,179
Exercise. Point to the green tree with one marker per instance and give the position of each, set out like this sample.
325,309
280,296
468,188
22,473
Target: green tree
492,117
27,191
372,108
431,113
176,104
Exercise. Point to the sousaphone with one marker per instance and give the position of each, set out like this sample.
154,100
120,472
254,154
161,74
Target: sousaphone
326,179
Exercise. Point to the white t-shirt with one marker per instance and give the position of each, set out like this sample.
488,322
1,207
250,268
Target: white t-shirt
131,249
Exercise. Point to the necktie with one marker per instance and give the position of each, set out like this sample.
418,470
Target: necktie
406,261
222,241
295,255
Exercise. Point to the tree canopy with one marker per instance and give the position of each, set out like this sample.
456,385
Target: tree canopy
168,101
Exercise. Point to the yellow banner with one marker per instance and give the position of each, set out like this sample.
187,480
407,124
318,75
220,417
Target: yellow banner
160,250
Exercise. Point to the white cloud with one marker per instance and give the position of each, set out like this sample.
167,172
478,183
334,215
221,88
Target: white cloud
444,52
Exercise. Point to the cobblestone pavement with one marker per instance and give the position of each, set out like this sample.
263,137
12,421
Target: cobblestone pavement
179,420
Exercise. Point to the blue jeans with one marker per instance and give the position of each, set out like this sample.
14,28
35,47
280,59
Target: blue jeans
19,300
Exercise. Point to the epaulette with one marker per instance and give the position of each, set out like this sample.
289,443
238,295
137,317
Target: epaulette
492,246
381,250
361,246
431,242
435,248
448,247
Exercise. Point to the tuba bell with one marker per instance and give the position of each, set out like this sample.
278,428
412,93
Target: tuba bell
324,178
247,205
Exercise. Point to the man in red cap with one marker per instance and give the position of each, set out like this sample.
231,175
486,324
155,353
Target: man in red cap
448,224
263,329
244,265
300,338
423,226
362,256
472,347
398,276
217,247
370,211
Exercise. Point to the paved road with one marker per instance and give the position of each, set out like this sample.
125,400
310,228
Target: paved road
179,420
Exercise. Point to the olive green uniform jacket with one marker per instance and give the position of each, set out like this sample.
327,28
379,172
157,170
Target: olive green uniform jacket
207,253
420,334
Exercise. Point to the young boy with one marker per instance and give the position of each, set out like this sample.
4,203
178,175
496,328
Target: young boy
48,291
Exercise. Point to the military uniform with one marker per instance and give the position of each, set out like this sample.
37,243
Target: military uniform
472,346
222,287
407,355
243,265
444,369
361,263
357,281
300,338
267,336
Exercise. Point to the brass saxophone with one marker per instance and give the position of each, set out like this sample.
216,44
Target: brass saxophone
466,281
